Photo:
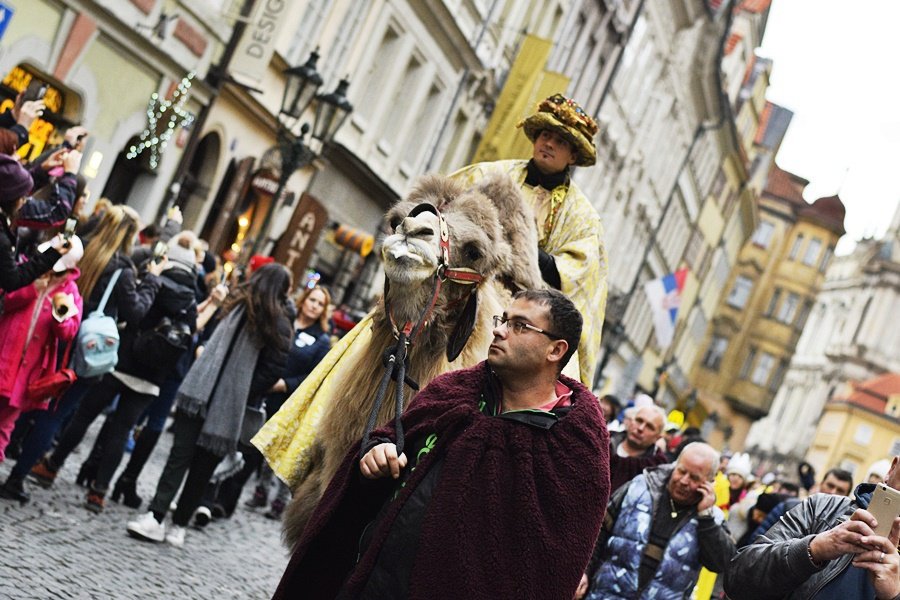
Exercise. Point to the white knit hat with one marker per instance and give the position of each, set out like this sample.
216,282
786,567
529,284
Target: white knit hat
739,465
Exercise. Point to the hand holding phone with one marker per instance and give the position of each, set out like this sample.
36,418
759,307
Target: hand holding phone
69,229
885,507
160,249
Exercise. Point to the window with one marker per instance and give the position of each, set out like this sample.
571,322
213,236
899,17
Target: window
863,434
778,378
773,303
740,293
713,357
795,249
812,252
763,369
804,314
748,363
789,308
718,185
762,237
826,258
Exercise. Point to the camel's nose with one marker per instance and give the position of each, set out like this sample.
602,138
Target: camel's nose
413,227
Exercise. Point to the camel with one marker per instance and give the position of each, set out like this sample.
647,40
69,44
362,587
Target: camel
491,233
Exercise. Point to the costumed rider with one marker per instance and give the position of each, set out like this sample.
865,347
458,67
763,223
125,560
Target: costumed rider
570,236
499,492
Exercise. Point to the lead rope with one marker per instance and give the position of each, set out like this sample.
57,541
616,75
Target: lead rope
394,368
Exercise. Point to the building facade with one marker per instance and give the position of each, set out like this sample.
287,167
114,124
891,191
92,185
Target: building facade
858,427
851,335
769,297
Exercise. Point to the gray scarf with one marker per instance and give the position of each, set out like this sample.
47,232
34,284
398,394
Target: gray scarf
217,386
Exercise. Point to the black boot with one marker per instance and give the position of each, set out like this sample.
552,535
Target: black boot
126,489
87,473
143,447
14,489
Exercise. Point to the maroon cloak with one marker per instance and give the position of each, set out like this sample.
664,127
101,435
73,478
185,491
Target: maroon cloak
514,514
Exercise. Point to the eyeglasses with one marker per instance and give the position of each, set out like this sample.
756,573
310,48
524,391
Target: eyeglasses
519,327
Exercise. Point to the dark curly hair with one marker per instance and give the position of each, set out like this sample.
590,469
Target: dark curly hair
264,298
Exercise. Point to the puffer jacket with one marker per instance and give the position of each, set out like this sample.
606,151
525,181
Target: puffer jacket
777,564
695,542
130,301
30,336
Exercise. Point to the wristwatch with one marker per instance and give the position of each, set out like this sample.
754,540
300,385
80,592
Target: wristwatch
706,512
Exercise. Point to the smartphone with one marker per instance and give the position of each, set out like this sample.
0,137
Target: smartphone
160,249
69,229
885,507
36,90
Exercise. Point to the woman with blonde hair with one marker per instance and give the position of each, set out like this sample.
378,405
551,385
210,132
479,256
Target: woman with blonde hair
106,252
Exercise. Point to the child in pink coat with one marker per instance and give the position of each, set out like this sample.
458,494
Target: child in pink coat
35,319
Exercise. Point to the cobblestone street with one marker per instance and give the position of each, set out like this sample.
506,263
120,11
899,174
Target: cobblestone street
54,548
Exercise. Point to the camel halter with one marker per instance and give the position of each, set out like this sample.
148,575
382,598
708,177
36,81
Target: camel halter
395,357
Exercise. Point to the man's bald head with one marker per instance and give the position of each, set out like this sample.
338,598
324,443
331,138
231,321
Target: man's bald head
645,427
700,451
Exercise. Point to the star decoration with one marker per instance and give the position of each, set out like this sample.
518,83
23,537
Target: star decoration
163,117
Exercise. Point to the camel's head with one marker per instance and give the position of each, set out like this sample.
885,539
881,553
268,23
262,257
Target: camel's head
411,254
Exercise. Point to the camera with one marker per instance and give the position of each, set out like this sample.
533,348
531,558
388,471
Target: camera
36,90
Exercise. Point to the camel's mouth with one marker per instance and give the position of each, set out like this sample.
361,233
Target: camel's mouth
412,253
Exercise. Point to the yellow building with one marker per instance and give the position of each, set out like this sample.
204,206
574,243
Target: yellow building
769,295
859,428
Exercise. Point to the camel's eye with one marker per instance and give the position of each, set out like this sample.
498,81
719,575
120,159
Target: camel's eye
471,252
395,222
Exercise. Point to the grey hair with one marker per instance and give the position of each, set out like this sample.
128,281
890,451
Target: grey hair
703,448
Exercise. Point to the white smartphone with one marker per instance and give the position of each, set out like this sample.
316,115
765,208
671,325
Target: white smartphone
885,507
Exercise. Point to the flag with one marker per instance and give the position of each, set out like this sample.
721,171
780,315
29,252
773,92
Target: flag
664,295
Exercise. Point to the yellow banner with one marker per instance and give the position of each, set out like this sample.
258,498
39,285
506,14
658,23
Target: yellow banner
527,84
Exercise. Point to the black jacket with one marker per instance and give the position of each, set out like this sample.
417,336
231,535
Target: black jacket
175,300
12,275
129,301
777,564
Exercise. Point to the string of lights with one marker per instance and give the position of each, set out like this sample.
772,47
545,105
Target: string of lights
163,117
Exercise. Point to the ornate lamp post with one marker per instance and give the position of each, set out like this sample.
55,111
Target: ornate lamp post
332,109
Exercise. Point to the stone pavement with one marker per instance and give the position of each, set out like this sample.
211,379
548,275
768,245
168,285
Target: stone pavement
55,548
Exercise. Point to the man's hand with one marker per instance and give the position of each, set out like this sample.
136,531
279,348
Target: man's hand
582,588
75,136
882,562
708,500
846,538
28,112
381,461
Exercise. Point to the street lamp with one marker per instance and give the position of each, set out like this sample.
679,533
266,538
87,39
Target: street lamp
612,339
332,109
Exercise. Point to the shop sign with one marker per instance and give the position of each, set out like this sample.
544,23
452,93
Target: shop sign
18,80
254,51
296,245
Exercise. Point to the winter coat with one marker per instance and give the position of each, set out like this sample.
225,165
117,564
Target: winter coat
175,300
25,359
777,564
695,542
130,301
308,347
12,275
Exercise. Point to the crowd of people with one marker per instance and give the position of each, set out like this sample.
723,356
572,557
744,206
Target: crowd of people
102,315
508,479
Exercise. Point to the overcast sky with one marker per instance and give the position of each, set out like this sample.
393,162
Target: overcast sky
837,66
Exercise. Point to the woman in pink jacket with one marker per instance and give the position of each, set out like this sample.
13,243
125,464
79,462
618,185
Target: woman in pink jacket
35,319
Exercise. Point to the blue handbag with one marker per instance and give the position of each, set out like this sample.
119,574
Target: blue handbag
97,345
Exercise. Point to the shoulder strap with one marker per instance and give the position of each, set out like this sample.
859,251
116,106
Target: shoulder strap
109,289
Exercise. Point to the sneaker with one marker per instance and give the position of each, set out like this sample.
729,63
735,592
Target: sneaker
147,528
202,517
175,536
42,474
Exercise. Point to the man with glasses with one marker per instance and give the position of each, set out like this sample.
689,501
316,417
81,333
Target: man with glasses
495,492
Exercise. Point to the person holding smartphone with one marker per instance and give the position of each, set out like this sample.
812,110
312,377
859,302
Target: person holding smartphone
827,547
660,528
